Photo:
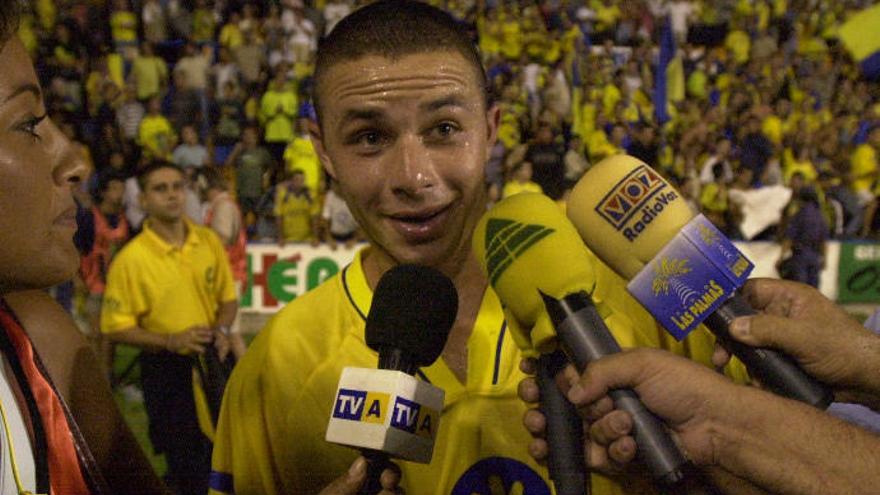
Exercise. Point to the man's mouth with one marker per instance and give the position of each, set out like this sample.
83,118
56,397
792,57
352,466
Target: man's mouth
421,225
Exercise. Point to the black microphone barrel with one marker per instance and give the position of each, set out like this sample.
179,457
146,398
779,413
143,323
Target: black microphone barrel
777,371
565,430
584,338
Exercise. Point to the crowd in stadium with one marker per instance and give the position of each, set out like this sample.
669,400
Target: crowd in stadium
763,111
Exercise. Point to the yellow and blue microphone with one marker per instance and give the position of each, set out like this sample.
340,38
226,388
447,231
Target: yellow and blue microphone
680,267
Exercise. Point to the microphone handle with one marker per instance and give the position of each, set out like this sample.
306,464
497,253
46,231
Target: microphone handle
586,338
774,369
377,462
565,430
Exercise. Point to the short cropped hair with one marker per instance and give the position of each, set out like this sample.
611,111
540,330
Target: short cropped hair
10,11
104,181
393,29
145,173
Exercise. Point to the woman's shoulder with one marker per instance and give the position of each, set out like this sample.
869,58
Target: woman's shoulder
55,337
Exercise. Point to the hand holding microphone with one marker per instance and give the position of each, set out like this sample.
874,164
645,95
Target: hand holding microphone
352,482
387,412
680,267
824,339
742,435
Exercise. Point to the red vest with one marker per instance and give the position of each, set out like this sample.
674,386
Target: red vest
93,266
237,251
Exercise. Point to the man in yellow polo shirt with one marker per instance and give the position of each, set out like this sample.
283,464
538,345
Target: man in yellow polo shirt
170,292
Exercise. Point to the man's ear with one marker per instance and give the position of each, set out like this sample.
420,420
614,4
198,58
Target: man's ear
493,121
317,138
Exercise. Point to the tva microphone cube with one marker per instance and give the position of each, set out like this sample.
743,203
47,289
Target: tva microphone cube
388,411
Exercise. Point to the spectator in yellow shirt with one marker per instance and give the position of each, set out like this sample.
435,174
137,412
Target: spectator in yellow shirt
230,34
739,44
490,32
155,134
300,155
123,26
295,209
203,23
149,73
607,15
511,38
864,166
278,108
799,161
520,181
778,123
713,198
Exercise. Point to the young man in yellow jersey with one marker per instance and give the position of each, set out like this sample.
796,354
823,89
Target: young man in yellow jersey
406,127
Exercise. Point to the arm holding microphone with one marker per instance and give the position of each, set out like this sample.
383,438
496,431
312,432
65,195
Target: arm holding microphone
737,432
733,431
824,340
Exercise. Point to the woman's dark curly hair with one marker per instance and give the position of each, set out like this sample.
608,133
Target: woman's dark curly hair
10,10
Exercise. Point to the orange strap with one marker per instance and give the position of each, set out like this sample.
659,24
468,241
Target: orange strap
65,475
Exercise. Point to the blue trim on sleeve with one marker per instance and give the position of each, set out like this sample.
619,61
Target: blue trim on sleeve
871,65
221,482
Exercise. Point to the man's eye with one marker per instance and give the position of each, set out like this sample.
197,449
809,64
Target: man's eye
370,138
444,130
367,139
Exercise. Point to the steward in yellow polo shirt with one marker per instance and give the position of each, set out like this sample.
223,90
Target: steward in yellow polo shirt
166,289
170,292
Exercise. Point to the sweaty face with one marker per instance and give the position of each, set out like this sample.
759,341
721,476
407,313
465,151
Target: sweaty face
163,195
408,140
37,170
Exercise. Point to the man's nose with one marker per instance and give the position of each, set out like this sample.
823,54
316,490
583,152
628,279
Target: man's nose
413,171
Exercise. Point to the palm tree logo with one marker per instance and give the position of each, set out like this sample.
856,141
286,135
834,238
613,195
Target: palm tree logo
707,234
711,238
667,273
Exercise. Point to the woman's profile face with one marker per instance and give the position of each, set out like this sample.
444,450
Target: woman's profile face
38,168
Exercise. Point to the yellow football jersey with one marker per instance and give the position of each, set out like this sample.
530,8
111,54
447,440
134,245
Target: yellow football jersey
270,437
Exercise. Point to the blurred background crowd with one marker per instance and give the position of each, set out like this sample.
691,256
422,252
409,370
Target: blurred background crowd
755,109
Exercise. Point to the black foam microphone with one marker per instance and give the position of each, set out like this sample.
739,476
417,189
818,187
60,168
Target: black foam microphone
412,312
